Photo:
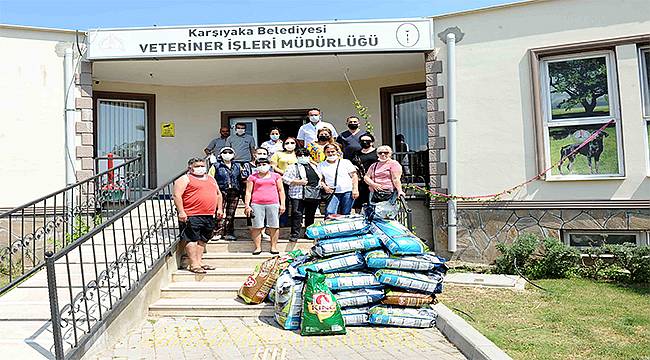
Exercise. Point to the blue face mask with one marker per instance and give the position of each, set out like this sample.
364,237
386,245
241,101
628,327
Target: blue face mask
275,137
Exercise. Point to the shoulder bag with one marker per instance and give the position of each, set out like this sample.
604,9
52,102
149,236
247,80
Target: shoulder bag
310,193
381,195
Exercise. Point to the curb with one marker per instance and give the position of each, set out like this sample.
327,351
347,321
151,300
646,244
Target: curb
468,340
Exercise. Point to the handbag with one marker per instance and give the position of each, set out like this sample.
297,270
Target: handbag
325,197
381,195
309,192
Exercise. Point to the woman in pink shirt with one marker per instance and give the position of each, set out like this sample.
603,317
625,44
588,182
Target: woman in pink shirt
264,203
383,177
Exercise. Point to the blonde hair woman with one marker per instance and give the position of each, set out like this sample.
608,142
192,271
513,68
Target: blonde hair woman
384,177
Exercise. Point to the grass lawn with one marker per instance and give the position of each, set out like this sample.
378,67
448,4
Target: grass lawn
578,319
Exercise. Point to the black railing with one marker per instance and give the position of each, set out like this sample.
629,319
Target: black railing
53,221
415,166
92,279
404,213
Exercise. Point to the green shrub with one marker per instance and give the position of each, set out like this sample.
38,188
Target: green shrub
633,259
536,258
521,250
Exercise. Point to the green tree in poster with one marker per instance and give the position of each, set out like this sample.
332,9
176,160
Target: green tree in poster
583,80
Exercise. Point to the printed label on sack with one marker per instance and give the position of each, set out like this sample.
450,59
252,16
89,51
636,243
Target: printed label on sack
323,306
250,281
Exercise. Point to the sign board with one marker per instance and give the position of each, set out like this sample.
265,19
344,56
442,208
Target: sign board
262,39
167,129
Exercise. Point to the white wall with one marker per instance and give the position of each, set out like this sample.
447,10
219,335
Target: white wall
496,139
196,111
32,121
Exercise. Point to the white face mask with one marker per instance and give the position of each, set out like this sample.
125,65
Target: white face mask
240,131
304,160
263,168
199,171
227,157
314,118
290,147
332,158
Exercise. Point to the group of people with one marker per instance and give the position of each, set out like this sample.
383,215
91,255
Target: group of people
281,182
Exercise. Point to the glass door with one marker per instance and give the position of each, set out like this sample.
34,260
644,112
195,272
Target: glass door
409,116
251,126
122,131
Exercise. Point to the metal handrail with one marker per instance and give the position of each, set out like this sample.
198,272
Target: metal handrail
53,221
404,213
108,278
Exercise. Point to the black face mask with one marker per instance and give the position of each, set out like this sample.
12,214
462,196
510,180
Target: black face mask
366,144
353,126
323,137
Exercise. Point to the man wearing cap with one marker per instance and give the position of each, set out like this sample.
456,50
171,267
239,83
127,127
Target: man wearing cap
242,143
228,175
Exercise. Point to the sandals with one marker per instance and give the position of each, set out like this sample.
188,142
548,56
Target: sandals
197,270
208,267
274,252
257,252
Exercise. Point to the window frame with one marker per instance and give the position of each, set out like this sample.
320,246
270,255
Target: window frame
642,237
392,111
645,101
614,112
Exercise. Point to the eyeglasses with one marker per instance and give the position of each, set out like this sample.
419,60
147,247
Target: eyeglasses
383,152
227,152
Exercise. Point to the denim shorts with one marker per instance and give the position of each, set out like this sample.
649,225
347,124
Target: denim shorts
266,216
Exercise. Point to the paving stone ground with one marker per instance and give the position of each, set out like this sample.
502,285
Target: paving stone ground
261,339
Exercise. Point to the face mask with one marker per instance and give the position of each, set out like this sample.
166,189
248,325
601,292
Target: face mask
227,157
353,126
275,137
366,144
263,168
290,147
332,158
323,137
314,118
199,171
240,131
304,160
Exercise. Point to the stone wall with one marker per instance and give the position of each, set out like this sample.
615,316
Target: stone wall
479,230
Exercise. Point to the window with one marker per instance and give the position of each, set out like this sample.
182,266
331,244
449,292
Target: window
579,96
585,239
645,86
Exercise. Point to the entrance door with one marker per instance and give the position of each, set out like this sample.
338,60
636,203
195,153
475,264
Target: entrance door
123,127
251,126
259,122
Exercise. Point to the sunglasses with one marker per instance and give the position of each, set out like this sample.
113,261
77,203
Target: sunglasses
290,143
383,152
227,152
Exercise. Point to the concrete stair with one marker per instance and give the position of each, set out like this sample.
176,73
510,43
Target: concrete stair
214,294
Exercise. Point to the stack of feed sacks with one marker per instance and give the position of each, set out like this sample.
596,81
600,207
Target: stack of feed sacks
366,263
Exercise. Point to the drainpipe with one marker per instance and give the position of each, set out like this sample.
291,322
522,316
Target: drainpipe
450,37
70,111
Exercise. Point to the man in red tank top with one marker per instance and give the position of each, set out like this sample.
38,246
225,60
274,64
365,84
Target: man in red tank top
198,201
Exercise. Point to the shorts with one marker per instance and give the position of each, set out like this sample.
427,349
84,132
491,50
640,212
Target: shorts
266,216
197,228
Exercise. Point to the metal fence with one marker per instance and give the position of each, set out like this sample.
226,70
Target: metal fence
415,166
92,279
53,221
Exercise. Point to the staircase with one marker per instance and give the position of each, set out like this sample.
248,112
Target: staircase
215,294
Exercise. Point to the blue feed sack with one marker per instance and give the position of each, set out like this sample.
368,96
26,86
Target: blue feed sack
397,239
403,317
340,245
342,226
379,259
359,297
339,263
351,280
355,316
428,283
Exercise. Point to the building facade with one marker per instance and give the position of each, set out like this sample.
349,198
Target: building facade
534,80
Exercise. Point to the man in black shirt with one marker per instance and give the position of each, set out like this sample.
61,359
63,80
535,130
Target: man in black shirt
349,139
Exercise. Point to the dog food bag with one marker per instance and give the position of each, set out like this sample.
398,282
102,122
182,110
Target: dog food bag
398,239
351,280
258,285
404,317
271,297
321,313
340,245
408,299
425,262
288,300
429,283
341,226
355,316
359,297
340,263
